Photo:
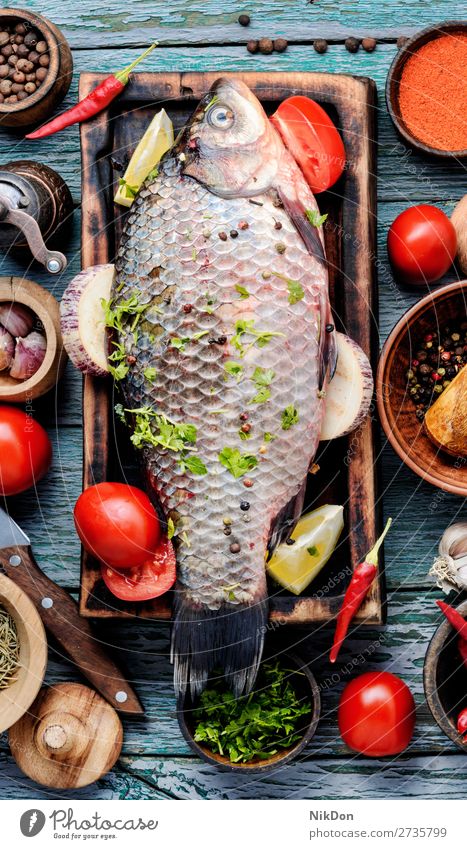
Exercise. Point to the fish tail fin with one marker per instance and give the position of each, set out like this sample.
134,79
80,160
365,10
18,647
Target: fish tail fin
231,638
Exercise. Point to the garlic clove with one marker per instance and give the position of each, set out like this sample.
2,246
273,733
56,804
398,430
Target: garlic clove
29,356
18,320
7,348
450,568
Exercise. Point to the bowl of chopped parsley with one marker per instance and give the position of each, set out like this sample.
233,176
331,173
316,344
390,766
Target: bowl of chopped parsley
261,731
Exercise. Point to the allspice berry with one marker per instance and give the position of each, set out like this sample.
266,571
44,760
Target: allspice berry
252,47
266,45
352,44
320,45
369,44
244,20
280,44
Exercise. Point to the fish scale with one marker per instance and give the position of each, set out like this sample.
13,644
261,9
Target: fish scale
175,259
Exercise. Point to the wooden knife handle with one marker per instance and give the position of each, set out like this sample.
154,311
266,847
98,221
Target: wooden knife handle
59,613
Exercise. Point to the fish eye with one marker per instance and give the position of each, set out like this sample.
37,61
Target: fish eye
220,117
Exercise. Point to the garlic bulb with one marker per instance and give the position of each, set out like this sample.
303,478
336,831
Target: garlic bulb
29,356
450,567
7,348
16,318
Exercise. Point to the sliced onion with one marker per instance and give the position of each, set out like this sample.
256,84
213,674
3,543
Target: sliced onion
29,356
7,348
82,319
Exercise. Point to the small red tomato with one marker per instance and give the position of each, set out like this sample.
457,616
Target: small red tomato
117,524
152,579
421,244
312,139
25,451
377,714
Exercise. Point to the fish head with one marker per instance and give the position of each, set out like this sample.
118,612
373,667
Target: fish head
229,144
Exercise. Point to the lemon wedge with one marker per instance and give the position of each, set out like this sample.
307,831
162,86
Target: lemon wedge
316,536
158,138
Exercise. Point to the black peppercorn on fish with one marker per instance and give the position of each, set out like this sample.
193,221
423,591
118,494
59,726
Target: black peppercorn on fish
226,343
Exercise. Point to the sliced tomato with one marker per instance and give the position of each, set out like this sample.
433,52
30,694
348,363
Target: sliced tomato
152,579
313,140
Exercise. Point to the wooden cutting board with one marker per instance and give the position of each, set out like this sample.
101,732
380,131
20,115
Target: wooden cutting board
347,473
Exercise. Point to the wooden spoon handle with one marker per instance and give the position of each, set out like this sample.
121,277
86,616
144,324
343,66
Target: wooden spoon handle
59,613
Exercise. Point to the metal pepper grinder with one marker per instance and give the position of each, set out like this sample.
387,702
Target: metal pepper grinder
35,206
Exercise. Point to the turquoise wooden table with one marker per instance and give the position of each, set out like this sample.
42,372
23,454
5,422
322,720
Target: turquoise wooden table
156,763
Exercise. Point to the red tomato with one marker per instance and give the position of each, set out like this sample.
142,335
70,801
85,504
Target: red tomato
377,714
25,451
117,524
310,135
153,578
421,244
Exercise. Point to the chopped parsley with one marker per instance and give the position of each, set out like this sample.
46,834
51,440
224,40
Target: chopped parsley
170,528
234,369
254,726
289,417
150,373
312,551
115,314
245,327
237,464
193,463
268,437
263,395
244,293
156,429
296,291
128,191
179,342
263,376
315,218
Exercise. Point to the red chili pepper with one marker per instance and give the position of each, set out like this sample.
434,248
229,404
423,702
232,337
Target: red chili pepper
356,592
462,723
93,103
454,617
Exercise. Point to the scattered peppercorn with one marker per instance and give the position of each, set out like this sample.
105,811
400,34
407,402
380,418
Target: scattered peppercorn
243,225
329,328
223,236
244,417
245,428
227,530
244,20
280,248
352,44
233,234
227,520
252,47
244,505
187,308
369,44
234,547
277,225
266,45
320,45
248,483
280,45
290,541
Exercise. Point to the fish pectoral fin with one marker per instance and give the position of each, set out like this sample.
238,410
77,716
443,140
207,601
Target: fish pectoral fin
308,232
285,521
327,344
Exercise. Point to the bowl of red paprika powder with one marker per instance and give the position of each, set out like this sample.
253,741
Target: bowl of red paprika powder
426,90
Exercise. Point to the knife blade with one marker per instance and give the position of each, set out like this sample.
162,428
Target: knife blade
59,613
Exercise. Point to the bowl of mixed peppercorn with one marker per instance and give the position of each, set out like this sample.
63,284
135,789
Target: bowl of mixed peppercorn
421,358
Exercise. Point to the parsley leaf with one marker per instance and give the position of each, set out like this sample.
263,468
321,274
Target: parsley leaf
236,463
234,369
296,291
268,437
315,218
193,463
289,417
261,396
150,373
247,327
170,528
263,376
244,293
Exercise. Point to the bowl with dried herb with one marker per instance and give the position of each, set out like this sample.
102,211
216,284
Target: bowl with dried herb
23,653
261,731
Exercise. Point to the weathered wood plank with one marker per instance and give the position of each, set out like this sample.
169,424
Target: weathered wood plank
423,777
208,21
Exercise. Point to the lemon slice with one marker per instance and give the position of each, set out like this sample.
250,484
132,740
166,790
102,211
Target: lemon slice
158,138
316,535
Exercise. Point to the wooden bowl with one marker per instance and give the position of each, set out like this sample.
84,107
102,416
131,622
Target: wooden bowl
16,699
305,686
397,410
39,105
47,310
393,82
445,679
